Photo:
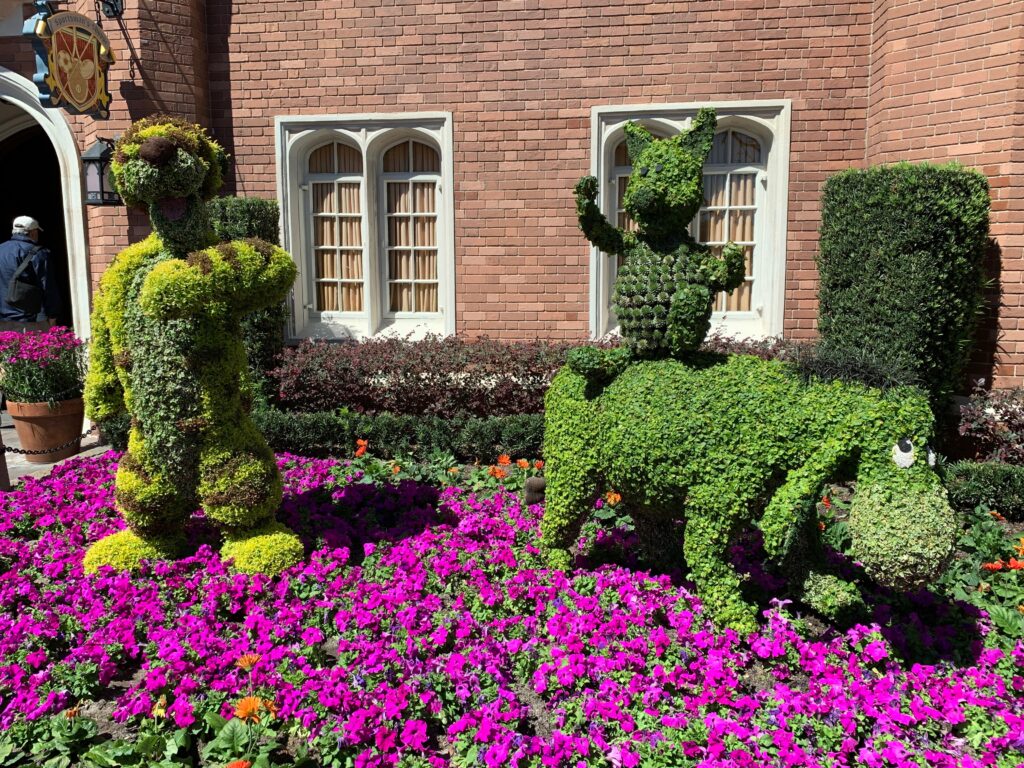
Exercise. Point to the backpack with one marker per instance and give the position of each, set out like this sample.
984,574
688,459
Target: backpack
24,291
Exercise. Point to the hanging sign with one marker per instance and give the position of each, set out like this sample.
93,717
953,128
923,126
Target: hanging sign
72,58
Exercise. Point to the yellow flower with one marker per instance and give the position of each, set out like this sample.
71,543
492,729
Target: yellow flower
160,708
247,661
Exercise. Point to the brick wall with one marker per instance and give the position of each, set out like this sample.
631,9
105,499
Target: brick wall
520,78
872,81
947,83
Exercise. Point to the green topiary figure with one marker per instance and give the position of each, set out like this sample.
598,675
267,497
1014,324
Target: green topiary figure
166,349
724,442
666,287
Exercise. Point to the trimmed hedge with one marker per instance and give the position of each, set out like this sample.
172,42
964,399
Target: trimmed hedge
467,438
238,218
998,486
437,375
900,262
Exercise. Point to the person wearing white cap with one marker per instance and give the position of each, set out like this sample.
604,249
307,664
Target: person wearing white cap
27,284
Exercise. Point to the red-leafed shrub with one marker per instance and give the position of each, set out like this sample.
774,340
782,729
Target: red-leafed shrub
436,375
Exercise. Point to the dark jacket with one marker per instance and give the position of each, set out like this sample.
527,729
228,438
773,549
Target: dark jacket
12,253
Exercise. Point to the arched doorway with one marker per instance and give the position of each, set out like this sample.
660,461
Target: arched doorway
39,155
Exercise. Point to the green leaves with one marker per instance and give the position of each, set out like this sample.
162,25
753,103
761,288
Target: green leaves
900,263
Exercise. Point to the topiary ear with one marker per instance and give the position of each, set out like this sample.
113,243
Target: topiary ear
637,140
698,140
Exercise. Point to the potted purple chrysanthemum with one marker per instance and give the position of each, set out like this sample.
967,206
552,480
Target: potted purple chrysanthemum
41,375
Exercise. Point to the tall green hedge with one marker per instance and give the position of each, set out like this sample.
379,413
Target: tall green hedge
900,262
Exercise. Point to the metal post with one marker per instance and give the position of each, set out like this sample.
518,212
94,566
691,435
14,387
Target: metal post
5,477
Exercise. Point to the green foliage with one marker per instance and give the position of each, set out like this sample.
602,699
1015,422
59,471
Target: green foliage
998,589
832,597
665,288
902,532
242,218
167,346
996,485
125,551
268,550
711,440
467,438
900,263
239,218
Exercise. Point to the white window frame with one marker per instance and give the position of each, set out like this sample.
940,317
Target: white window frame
769,121
372,134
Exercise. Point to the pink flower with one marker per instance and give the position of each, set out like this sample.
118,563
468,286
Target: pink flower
414,734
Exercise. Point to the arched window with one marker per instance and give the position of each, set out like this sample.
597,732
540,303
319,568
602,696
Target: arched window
411,175
367,214
335,178
729,212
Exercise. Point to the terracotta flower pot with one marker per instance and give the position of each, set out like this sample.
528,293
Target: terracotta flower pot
40,428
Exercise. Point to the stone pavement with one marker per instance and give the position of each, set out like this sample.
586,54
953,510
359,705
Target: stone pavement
17,466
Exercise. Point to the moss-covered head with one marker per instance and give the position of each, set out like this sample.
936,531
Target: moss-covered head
666,186
901,524
169,167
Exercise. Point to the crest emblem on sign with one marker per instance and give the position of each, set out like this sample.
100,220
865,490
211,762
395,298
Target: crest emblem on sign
77,56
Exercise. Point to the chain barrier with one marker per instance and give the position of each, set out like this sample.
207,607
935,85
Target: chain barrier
41,451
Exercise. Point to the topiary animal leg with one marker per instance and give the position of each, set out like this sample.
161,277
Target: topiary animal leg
239,489
568,496
689,317
705,546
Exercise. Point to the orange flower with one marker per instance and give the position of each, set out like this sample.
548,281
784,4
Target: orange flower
453,471
239,764
1015,564
1019,549
361,447
247,661
248,709
271,707
827,502
1020,608
613,498
538,464
523,464
993,567
504,460
821,526
72,713
997,516
497,472
396,469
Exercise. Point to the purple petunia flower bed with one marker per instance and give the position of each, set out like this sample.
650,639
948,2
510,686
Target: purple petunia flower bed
424,630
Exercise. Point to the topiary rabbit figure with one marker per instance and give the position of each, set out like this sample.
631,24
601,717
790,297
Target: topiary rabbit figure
166,348
665,289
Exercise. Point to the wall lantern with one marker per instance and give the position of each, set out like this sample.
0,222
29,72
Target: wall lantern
99,187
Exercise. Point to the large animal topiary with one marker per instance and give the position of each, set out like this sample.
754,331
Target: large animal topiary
166,349
730,442
666,287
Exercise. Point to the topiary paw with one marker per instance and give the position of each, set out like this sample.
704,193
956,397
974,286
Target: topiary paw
832,597
125,551
267,550
598,366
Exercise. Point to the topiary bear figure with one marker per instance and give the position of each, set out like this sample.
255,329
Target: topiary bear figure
728,442
666,288
166,348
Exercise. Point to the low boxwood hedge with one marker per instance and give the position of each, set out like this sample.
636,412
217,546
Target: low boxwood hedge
468,438
998,486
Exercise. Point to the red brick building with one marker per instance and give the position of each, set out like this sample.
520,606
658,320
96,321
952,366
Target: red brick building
424,153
